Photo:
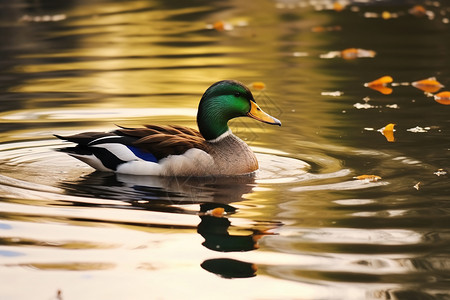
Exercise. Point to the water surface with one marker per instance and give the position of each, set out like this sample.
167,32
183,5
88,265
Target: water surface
303,227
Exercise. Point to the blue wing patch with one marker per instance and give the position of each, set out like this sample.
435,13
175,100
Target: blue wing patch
147,156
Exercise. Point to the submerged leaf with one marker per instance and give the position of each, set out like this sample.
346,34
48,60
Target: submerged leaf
430,85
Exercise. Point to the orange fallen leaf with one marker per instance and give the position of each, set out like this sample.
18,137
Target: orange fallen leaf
388,132
418,11
389,127
386,15
352,53
258,85
337,6
430,85
323,29
218,212
380,85
443,98
382,89
219,26
318,29
370,178
381,81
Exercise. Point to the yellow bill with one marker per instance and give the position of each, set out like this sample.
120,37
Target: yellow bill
258,114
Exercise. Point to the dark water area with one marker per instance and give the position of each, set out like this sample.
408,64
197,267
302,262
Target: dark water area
308,225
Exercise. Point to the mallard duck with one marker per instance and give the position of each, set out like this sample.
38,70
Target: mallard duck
173,150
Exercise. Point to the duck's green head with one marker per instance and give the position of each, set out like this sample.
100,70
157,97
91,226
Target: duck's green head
223,101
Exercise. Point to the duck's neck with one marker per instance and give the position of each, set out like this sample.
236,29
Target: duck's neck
212,120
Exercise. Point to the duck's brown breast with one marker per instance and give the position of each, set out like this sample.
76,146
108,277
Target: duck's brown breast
232,156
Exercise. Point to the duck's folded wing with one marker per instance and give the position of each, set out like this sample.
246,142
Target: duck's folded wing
163,141
106,151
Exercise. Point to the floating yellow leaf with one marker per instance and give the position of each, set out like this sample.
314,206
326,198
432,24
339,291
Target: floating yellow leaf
386,15
258,85
430,85
443,98
416,186
370,178
389,127
352,53
380,85
388,132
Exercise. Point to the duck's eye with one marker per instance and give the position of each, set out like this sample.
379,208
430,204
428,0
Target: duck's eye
237,95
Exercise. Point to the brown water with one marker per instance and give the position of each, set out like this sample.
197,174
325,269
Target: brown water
303,228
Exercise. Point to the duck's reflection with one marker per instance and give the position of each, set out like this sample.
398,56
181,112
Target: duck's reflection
168,190
230,268
215,230
172,194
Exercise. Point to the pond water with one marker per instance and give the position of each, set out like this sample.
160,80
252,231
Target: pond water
306,226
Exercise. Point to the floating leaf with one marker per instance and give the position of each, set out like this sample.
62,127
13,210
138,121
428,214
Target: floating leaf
388,132
380,85
258,85
418,11
443,98
352,53
220,26
386,15
430,85
323,29
389,127
416,186
380,81
371,178
217,212
337,6
382,89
